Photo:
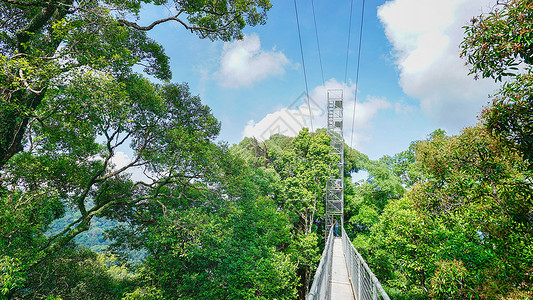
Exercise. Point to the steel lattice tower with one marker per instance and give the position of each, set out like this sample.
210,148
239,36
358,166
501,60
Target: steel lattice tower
335,184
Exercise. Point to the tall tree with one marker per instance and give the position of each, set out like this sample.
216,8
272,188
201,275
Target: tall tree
464,230
72,159
220,238
366,199
41,42
72,102
304,169
295,172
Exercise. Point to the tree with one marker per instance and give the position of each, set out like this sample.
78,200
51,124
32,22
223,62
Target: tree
221,238
464,230
304,169
71,159
71,103
366,202
402,165
499,45
82,274
366,199
43,41
511,115
295,172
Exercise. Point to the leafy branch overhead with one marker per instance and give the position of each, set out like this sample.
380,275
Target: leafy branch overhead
222,20
499,45
72,106
42,41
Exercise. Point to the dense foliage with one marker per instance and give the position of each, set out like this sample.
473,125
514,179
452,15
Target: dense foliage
463,228
499,45
72,109
43,42
297,169
464,231
184,217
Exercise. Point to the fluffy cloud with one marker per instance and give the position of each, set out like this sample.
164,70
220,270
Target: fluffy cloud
121,159
285,121
289,120
243,63
426,35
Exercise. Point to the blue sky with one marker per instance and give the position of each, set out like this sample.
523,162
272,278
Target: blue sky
411,80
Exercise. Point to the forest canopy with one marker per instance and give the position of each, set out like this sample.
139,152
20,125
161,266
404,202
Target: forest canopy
186,217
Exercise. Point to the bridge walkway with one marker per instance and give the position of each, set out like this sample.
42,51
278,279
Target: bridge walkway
343,274
340,285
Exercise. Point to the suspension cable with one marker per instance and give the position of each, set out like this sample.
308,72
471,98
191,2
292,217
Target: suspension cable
348,45
303,65
357,71
318,45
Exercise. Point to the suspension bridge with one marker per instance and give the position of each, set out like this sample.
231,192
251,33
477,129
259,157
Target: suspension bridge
342,272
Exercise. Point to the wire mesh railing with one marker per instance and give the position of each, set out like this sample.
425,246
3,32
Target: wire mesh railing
321,281
365,285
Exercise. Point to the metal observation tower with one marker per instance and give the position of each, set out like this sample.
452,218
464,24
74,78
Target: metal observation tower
342,272
335,184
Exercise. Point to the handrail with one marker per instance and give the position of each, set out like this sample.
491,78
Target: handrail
320,287
365,285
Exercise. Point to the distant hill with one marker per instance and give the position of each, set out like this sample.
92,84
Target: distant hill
93,238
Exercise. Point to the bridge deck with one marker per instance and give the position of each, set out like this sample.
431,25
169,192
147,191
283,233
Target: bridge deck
341,287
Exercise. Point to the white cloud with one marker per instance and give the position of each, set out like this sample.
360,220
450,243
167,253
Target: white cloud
244,63
426,36
289,120
367,110
403,109
285,121
119,160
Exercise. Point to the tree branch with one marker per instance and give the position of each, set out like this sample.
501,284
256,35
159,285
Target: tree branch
151,26
131,164
173,18
37,23
28,3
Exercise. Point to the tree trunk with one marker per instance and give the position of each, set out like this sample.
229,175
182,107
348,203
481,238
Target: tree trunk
13,123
